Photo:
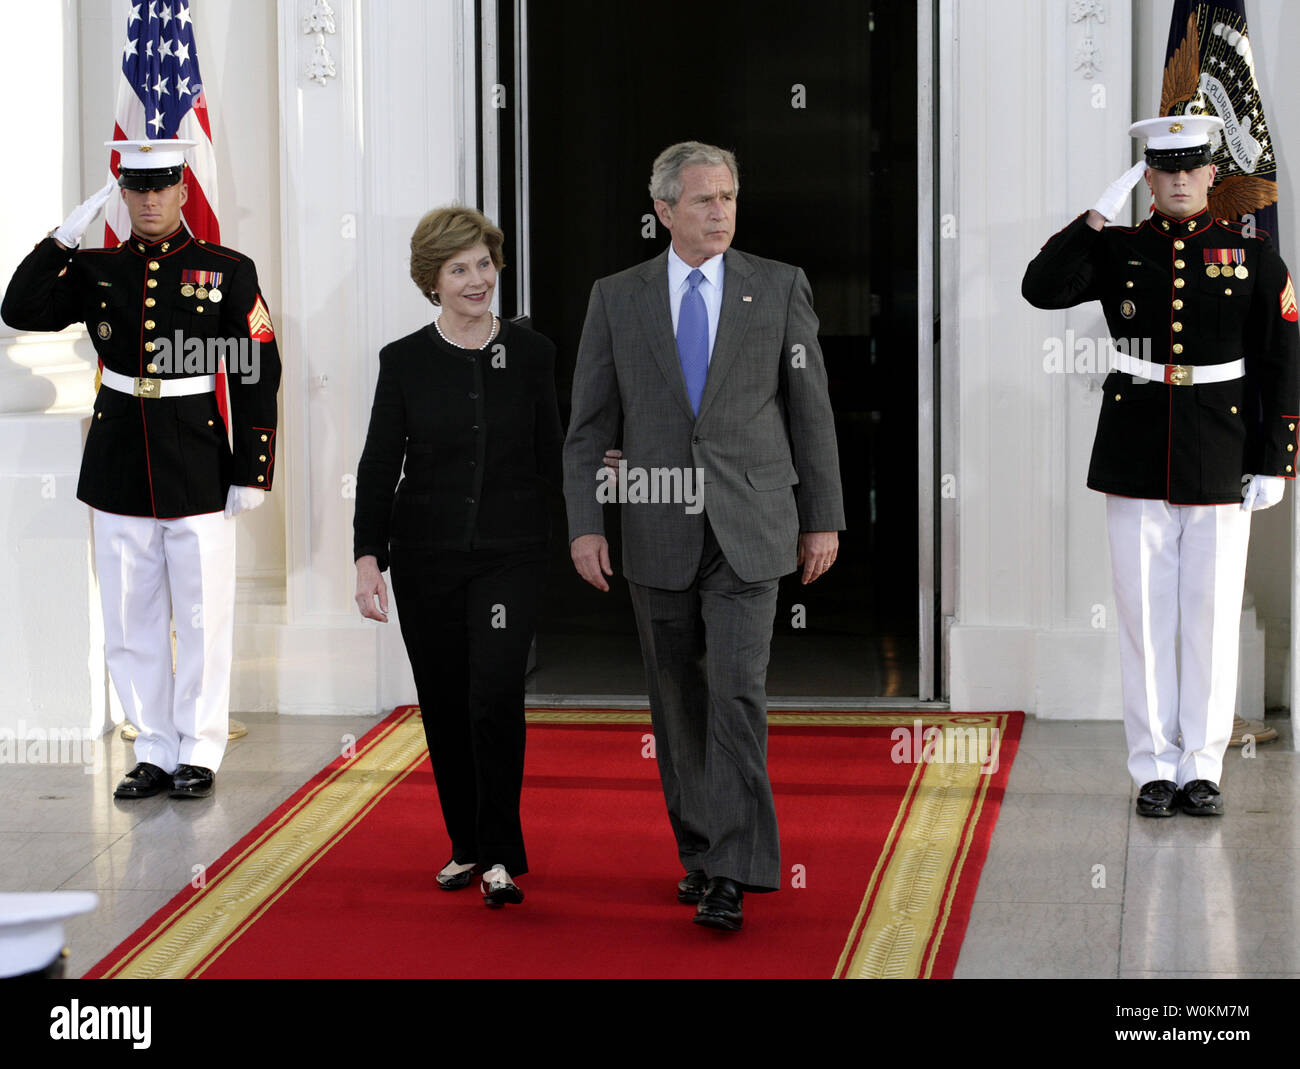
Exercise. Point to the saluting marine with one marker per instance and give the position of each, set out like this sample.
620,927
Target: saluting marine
182,439
1198,427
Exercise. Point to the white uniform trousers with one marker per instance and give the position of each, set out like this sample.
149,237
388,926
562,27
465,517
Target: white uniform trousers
149,572
1178,571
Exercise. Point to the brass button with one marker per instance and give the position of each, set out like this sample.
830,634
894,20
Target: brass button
209,423
1178,303
153,265
1179,283
149,302
264,437
1290,426
1227,291
152,283
149,324
1177,327
1178,347
1233,410
1288,467
151,368
1129,283
1179,264
1117,397
1290,449
103,304
262,458
198,307
1179,244
260,479
99,415
148,347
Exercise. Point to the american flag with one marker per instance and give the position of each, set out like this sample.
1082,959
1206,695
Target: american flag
161,96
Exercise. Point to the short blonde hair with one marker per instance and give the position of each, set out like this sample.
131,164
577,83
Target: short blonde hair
444,232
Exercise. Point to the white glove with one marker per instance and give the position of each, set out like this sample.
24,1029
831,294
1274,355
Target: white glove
1117,192
244,499
75,224
1262,492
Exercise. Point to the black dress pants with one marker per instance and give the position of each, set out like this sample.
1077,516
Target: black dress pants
468,620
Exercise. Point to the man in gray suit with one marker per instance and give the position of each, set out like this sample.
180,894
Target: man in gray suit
709,357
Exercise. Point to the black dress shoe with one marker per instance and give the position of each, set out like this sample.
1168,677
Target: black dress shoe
720,906
1201,798
456,881
1159,798
143,781
192,781
690,888
498,888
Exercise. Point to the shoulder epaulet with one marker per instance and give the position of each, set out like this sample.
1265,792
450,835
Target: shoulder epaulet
219,250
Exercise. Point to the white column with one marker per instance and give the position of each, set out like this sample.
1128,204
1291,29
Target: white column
363,156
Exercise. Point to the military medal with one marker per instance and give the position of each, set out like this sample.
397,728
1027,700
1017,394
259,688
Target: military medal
201,284
1226,271
214,295
187,290
1241,271
1226,263
1212,270
1127,310
201,293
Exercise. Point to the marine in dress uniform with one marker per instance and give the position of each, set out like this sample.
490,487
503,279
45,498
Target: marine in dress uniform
1198,427
164,470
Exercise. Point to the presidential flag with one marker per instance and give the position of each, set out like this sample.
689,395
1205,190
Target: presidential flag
161,96
1210,70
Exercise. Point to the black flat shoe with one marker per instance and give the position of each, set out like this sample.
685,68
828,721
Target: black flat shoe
498,888
192,781
1201,798
720,907
457,881
143,781
691,887
1159,798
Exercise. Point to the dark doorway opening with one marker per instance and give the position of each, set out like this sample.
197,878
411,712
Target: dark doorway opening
819,105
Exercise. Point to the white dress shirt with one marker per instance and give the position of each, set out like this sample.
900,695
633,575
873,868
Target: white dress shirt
710,289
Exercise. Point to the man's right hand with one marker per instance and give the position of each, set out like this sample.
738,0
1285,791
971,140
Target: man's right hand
590,553
69,234
1116,195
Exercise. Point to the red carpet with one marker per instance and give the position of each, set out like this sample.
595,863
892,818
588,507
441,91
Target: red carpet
880,856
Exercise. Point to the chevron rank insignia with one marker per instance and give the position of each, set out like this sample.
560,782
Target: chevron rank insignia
1288,301
259,322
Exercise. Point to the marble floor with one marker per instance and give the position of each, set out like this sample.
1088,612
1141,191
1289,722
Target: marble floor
1076,885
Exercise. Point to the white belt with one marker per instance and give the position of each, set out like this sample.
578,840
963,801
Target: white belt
1176,374
185,387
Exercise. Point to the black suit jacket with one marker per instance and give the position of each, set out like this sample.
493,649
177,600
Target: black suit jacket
479,432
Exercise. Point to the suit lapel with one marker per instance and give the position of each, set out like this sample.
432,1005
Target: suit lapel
733,322
657,325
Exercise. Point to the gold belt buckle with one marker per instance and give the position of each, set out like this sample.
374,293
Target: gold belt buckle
147,387
1178,374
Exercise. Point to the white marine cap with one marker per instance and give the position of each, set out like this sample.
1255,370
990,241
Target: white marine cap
31,927
1178,142
151,164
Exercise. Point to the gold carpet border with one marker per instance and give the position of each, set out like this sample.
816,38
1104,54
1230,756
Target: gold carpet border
903,718
923,859
193,936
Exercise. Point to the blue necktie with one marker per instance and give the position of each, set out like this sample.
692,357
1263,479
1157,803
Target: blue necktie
693,340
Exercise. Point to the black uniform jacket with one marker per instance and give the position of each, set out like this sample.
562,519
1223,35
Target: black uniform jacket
149,309
479,430
1164,287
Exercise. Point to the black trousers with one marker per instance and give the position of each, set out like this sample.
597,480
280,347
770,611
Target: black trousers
468,620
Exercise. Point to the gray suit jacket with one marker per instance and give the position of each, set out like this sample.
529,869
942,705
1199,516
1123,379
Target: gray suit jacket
764,440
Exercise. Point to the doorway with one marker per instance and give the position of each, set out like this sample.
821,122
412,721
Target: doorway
820,110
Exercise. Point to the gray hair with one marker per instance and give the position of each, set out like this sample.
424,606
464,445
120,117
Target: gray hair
666,175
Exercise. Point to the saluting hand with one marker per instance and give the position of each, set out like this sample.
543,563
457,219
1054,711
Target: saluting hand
69,234
1116,195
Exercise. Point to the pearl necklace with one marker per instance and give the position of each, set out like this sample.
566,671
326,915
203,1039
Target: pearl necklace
491,334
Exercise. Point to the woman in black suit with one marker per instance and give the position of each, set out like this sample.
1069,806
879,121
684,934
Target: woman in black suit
468,404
